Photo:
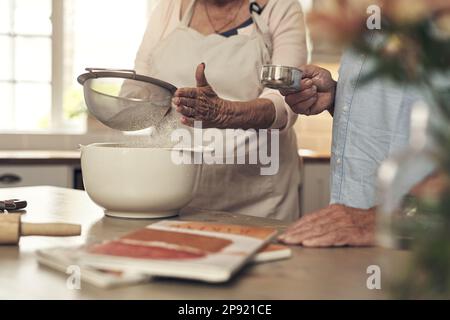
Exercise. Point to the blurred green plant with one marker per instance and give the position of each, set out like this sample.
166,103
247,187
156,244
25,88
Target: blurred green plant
73,103
412,48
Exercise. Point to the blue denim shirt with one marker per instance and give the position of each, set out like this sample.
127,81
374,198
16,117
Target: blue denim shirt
371,121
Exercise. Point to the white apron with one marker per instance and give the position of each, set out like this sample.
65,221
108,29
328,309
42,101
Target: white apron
232,68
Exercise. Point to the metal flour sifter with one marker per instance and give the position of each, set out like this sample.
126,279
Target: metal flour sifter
124,100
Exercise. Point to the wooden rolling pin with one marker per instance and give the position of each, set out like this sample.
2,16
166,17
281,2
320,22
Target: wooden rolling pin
11,229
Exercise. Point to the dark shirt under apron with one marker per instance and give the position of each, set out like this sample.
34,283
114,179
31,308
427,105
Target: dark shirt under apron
234,31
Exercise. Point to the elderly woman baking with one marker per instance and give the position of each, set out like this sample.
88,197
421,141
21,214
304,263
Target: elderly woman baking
213,51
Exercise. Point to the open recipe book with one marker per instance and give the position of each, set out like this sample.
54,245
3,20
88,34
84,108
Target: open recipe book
208,252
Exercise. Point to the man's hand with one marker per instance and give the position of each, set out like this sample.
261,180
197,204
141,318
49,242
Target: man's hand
317,92
334,226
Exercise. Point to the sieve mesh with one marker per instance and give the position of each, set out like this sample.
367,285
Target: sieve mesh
126,104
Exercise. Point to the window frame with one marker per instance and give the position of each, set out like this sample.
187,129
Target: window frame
57,83
12,35
57,122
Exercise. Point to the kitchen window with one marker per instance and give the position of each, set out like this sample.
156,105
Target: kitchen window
25,63
46,44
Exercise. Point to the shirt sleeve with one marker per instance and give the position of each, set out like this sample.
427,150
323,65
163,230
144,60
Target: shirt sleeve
162,20
287,27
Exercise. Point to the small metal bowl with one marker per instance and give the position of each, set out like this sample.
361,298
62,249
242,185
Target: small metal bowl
281,77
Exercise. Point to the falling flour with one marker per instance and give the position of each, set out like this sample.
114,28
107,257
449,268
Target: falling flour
161,135
141,106
133,119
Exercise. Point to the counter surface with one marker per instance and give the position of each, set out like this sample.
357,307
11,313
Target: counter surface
49,157
339,273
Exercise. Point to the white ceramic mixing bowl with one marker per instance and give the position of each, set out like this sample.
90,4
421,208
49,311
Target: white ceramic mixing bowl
134,182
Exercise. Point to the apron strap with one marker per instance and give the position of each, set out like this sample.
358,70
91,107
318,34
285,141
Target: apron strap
255,11
188,15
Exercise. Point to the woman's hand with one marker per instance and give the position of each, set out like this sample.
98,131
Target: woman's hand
317,92
334,226
203,104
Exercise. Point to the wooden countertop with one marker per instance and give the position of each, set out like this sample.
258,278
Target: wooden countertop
38,157
310,274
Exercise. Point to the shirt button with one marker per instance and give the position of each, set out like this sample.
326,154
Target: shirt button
338,161
345,108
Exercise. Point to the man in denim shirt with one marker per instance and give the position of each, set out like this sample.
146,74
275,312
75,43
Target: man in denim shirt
371,121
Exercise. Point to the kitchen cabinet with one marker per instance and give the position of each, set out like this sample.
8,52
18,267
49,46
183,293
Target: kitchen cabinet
315,186
33,168
315,189
62,169
24,176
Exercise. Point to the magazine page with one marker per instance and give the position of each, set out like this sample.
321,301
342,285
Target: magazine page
182,249
62,259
